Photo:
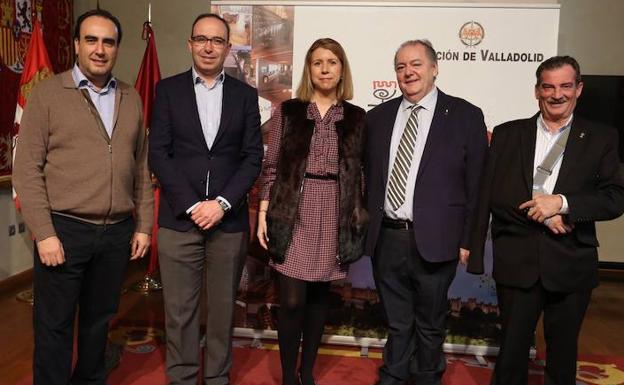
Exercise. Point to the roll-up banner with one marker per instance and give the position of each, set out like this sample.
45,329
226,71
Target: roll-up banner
487,54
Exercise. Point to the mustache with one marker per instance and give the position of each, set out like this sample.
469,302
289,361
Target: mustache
560,100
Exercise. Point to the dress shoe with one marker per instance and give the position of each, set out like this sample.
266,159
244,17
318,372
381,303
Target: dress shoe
300,381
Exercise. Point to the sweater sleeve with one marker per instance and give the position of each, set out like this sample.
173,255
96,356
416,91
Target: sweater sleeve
30,158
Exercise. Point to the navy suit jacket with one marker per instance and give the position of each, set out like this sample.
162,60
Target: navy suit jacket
591,179
447,183
180,158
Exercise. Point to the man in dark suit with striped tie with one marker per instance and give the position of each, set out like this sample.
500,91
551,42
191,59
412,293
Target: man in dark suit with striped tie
425,156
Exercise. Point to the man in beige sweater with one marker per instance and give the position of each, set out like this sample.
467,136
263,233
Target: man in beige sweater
81,176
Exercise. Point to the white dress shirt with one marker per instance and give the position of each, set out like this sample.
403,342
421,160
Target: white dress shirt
544,140
425,117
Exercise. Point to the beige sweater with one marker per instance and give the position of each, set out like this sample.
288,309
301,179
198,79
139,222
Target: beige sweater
65,164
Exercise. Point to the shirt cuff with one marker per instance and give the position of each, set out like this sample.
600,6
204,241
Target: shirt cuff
190,209
222,199
564,205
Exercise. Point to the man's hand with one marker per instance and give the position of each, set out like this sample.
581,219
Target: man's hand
463,256
138,245
51,251
542,207
557,225
262,230
207,214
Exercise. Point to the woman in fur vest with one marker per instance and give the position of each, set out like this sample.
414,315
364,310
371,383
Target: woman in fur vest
311,215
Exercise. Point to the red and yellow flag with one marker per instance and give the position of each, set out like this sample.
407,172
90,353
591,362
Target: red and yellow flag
37,67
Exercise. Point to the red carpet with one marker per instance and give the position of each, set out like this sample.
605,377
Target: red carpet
253,366
143,364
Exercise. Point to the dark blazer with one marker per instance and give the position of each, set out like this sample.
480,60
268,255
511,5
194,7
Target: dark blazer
180,158
591,179
445,195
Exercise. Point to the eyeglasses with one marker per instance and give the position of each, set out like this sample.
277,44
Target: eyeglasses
201,40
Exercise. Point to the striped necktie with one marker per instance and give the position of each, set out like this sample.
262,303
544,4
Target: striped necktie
397,183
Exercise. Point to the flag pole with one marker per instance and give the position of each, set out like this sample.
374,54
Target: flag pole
149,75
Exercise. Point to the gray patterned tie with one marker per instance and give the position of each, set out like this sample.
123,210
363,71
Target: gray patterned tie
397,183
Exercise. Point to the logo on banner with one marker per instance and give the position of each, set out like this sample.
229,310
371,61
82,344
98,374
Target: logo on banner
471,33
384,90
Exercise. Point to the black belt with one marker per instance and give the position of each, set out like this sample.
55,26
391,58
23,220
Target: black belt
396,223
321,177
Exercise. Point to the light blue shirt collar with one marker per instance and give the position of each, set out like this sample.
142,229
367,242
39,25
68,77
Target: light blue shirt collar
81,81
198,80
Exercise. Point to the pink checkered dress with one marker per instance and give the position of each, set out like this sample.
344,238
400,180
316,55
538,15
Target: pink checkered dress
311,255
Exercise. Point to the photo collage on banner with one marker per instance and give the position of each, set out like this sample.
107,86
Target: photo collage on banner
486,55
261,56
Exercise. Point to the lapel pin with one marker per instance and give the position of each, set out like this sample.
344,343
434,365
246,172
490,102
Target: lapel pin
582,135
446,111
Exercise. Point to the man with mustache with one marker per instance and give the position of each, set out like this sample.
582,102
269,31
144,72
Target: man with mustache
206,151
81,175
548,179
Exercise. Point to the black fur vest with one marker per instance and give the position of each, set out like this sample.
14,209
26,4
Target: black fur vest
295,146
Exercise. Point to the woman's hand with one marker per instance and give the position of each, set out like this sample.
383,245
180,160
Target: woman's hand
262,230
263,206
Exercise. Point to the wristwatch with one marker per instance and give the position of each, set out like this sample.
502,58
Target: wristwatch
224,206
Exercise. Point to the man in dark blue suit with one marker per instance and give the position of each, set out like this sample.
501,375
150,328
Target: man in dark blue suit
425,156
206,151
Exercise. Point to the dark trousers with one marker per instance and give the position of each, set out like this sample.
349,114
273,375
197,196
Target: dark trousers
520,310
96,257
413,294
187,260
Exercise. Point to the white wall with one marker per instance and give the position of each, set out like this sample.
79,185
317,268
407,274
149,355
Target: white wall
592,32
15,251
